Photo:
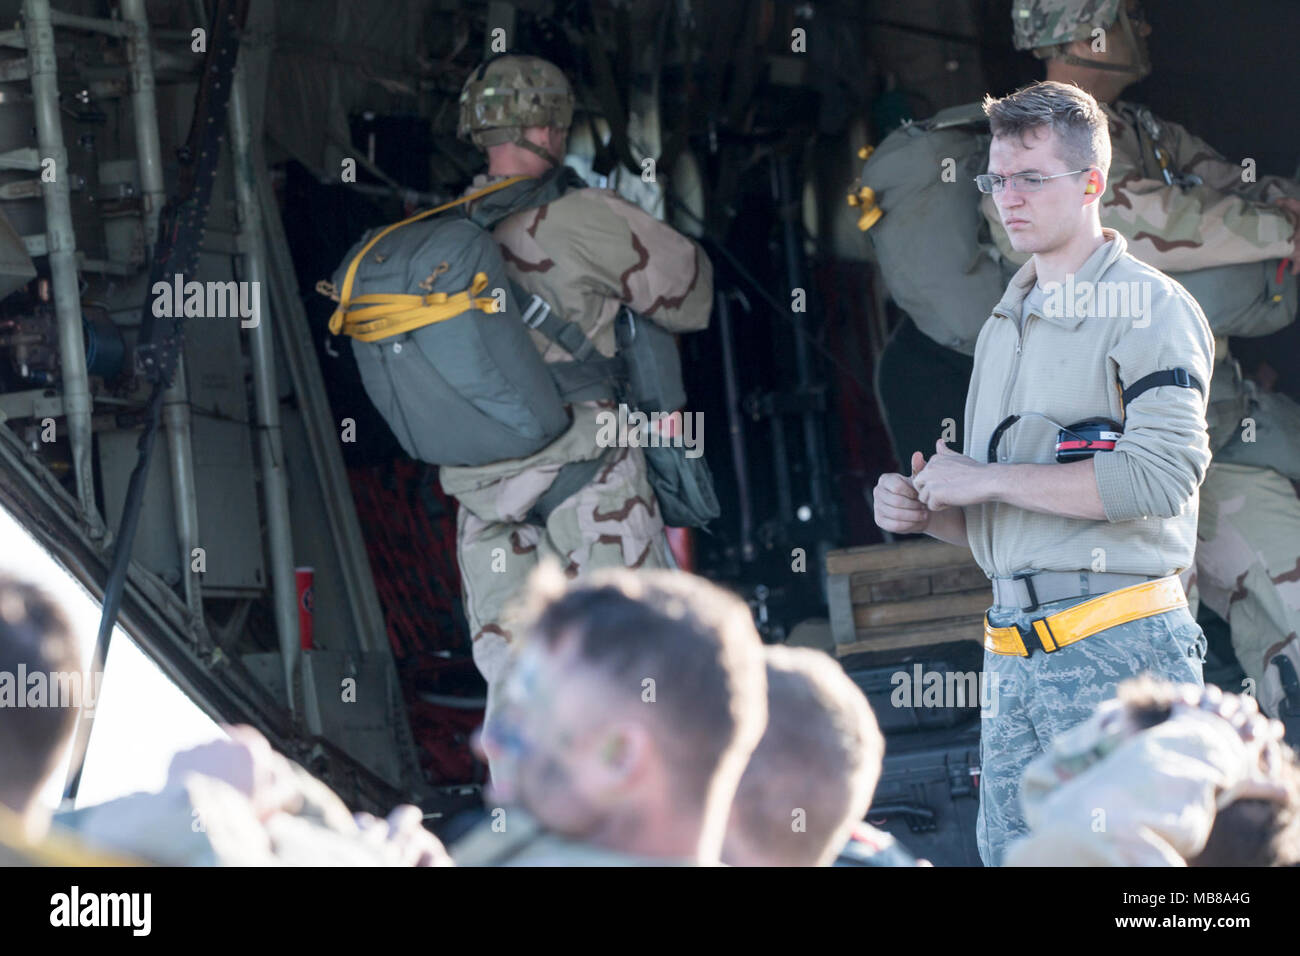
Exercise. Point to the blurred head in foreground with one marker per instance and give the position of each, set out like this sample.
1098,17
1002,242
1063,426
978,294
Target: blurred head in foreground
40,698
632,705
811,778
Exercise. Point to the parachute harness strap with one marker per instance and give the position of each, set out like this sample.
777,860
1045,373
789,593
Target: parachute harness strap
385,313
380,315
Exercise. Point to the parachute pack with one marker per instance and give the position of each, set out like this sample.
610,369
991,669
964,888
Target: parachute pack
438,338
441,339
928,239
942,268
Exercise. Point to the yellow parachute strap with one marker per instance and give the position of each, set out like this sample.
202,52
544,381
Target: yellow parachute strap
345,294
378,315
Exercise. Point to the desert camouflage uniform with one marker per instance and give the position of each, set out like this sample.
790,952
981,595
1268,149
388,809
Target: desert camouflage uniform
1248,550
1118,792
586,254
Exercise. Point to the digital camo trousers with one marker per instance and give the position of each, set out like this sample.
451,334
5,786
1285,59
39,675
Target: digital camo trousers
1248,569
613,521
1042,696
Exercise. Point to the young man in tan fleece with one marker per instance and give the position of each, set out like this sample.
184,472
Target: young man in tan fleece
1083,553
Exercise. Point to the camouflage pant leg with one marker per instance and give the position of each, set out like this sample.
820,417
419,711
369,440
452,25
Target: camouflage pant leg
1007,744
1248,568
611,522
1045,695
495,560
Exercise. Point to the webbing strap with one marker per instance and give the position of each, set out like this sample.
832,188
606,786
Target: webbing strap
568,335
1090,617
589,381
585,379
1030,591
1170,376
345,294
568,481
379,315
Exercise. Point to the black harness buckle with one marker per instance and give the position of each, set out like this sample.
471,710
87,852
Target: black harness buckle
1029,637
1028,578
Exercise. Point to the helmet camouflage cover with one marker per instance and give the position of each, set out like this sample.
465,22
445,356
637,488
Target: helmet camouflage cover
1047,23
509,94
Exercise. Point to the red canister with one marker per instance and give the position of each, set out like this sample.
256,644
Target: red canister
306,579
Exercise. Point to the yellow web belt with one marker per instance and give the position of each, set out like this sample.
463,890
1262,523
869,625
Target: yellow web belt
378,315
1083,620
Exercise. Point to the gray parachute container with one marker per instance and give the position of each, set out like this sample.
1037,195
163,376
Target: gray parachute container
1246,298
469,390
928,240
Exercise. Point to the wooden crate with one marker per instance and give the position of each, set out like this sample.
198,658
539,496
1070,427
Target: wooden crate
888,597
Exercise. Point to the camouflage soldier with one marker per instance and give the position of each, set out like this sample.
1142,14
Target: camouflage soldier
1164,775
585,254
1184,209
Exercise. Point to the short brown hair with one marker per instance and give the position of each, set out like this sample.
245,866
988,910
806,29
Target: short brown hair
821,753
35,638
1247,832
1080,124
694,639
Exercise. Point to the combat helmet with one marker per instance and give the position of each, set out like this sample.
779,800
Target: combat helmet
1045,26
509,93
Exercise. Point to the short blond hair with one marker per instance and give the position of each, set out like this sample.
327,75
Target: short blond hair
821,754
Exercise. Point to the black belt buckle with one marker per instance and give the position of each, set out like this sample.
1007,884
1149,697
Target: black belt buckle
1029,637
1028,578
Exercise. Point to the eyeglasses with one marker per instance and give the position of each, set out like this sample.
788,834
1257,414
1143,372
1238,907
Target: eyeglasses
1021,182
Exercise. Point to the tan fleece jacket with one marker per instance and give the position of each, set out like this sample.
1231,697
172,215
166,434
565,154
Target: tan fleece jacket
1113,322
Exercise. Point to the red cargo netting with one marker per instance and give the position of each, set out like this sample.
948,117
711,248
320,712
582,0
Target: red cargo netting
409,526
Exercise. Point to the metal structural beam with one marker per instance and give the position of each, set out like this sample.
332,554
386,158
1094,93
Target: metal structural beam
294,337
62,245
275,485
176,400
114,28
